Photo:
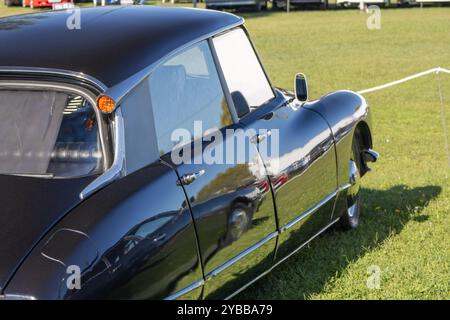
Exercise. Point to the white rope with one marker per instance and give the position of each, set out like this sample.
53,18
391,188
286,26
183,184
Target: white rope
414,76
437,71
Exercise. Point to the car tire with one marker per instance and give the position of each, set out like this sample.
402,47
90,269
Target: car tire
239,221
351,217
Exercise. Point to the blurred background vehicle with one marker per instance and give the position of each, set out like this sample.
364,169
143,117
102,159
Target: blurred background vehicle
39,3
282,4
348,3
10,3
257,5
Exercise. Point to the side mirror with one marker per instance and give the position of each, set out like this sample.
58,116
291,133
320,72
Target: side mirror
301,87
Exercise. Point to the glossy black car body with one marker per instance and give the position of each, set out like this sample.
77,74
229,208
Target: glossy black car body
138,230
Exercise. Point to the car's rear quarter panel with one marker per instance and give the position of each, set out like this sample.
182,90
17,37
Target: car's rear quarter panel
137,240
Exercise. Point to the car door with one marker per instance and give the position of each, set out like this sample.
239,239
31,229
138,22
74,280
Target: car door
302,172
229,196
295,143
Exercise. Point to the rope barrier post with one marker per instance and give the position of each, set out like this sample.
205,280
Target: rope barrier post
443,115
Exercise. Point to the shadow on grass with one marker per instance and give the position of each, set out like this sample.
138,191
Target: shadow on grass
385,213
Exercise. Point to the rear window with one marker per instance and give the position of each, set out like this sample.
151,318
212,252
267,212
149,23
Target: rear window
48,133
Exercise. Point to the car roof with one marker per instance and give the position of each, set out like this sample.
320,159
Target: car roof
113,44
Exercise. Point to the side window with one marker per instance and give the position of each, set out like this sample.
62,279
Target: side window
48,132
184,89
248,85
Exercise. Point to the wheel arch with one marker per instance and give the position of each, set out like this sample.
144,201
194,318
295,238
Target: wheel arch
346,113
363,131
364,135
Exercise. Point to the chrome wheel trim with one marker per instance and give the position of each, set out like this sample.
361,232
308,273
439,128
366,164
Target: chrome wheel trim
352,210
238,223
353,190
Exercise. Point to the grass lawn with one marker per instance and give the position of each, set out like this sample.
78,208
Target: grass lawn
406,222
405,231
9,11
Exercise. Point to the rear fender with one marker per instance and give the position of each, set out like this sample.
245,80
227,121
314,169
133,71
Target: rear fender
344,111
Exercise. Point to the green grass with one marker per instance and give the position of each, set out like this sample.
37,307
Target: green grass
9,11
406,222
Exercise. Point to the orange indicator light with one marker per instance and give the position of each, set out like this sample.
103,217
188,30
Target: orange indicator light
106,104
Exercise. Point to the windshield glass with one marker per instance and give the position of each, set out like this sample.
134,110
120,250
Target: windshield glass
48,133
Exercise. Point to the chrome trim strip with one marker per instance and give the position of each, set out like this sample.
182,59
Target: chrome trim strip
344,187
260,64
122,89
310,239
182,292
309,211
117,169
56,72
282,260
223,82
16,297
230,262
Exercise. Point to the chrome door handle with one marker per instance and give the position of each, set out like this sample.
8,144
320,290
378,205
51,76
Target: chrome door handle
188,178
159,237
258,138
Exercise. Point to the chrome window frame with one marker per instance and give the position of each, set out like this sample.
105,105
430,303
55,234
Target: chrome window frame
223,82
80,76
66,88
222,76
117,168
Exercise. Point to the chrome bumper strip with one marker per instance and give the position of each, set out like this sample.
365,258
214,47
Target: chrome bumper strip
227,264
309,211
182,292
282,260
